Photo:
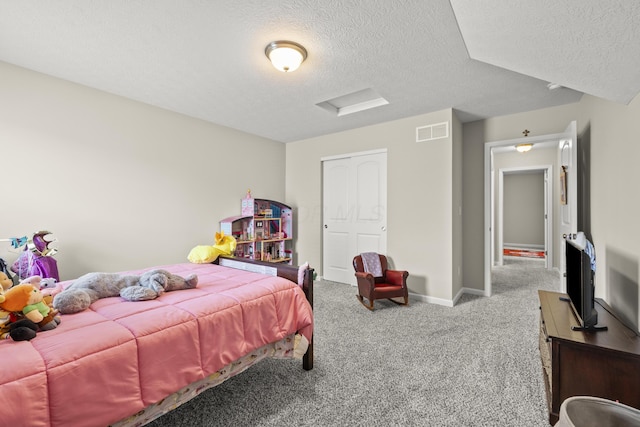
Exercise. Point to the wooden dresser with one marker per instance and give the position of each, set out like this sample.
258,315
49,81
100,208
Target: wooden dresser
603,364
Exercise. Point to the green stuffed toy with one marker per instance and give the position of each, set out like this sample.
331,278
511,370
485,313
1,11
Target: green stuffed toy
13,325
27,302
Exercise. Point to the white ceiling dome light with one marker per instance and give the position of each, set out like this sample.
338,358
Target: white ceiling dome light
523,148
285,55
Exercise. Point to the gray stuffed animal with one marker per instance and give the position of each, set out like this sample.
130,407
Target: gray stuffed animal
91,287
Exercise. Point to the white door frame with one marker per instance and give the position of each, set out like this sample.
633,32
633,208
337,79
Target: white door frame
548,191
488,195
568,215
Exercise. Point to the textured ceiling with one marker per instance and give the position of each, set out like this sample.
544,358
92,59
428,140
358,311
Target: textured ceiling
206,58
589,46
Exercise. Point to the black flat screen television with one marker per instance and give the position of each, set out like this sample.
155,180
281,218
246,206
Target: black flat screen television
580,285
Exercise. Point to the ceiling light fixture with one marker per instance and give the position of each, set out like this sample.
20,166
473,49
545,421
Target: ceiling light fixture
523,148
286,56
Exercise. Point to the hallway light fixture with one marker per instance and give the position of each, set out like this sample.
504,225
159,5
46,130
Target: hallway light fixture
523,148
285,55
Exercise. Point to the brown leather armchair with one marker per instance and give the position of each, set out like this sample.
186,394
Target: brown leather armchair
392,284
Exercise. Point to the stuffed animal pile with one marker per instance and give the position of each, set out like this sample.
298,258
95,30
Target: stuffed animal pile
24,310
87,289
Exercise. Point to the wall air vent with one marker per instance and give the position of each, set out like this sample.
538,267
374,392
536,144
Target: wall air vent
431,132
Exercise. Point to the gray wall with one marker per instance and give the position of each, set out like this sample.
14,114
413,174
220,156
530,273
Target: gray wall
420,201
615,204
476,134
523,209
615,207
121,184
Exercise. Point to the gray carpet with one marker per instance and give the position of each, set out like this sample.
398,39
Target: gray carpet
475,364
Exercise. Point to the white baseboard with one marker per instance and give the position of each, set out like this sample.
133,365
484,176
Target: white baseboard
479,292
439,301
446,302
473,291
432,300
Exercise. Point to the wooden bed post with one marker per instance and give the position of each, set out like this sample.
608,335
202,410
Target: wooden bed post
307,287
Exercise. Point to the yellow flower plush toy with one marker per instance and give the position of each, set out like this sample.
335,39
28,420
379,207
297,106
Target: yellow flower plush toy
204,254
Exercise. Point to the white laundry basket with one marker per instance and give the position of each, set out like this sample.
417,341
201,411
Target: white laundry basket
587,411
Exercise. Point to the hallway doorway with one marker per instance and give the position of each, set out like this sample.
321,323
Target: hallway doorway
523,214
562,181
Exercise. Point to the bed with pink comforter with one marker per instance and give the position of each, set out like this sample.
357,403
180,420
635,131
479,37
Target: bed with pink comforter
116,358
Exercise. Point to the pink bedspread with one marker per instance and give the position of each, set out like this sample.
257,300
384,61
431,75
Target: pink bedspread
117,357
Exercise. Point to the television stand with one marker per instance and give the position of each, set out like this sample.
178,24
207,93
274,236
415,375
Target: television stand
580,363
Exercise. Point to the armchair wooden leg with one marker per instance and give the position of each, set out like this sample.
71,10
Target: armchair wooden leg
370,306
406,301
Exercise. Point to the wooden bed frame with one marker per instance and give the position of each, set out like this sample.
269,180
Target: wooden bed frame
286,271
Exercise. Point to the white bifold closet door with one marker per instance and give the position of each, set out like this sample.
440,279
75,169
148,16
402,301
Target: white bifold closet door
354,194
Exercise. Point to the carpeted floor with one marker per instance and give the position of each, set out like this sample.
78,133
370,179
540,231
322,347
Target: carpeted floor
476,364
